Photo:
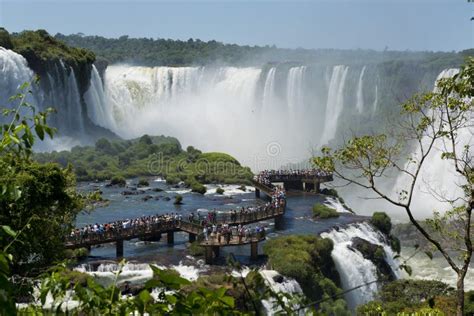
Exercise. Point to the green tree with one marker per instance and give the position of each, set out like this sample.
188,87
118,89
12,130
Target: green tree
432,120
41,196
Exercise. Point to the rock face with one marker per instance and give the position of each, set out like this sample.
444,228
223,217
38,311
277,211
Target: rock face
376,254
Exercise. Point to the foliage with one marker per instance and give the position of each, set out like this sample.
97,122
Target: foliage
118,181
404,297
196,250
220,190
143,182
150,155
170,52
382,221
198,188
95,299
323,211
430,121
40,196
178,199
307,259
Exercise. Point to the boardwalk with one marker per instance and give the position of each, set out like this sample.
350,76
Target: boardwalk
155,226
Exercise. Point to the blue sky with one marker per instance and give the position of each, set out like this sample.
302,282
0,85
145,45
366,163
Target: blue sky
350,24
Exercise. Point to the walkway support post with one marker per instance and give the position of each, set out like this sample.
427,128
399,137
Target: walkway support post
216,250
119,248
209,255
170,238
257,193
279,222
317,187
192,237
254,250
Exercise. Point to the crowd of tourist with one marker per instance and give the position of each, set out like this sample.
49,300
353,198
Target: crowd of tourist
224,233
215,225
124,225
265,176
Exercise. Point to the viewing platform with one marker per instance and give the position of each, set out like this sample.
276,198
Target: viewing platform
153,227
154,231
304,181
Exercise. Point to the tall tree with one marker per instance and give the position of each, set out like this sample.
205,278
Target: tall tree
437,123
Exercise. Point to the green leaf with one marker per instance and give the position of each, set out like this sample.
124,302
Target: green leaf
145,296
39,131
429,254
8,230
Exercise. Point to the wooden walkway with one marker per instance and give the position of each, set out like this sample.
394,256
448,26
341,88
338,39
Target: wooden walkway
154,231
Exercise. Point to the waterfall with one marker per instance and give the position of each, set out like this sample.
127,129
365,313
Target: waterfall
376,100
353,268
295,91
283,285
335,102
269,90
360,96
14,72
96,102
438,179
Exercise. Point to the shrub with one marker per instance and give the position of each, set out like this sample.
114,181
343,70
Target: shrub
198,188
220,190
196,250
118,181
143,183
382,221
323,211
178,200
242,188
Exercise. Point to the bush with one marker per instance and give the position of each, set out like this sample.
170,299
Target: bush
242,188
118,181
382,221
196,250
322,211
198,188
220,190
143,183
178,200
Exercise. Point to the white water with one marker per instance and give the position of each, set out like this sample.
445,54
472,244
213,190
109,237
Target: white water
258,118
287,286
360,96
335,102
138,273
438,179
376,100
269,91
63,94
295,92
353,268
336,204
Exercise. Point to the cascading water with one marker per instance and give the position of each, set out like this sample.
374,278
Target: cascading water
438,180
295,91
335,102
376,100
269,91
62,94
360,96
15,72
353,268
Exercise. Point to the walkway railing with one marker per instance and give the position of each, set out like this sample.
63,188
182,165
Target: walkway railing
153,229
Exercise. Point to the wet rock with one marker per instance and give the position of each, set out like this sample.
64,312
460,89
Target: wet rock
146,198
376,254
278,278
167,198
